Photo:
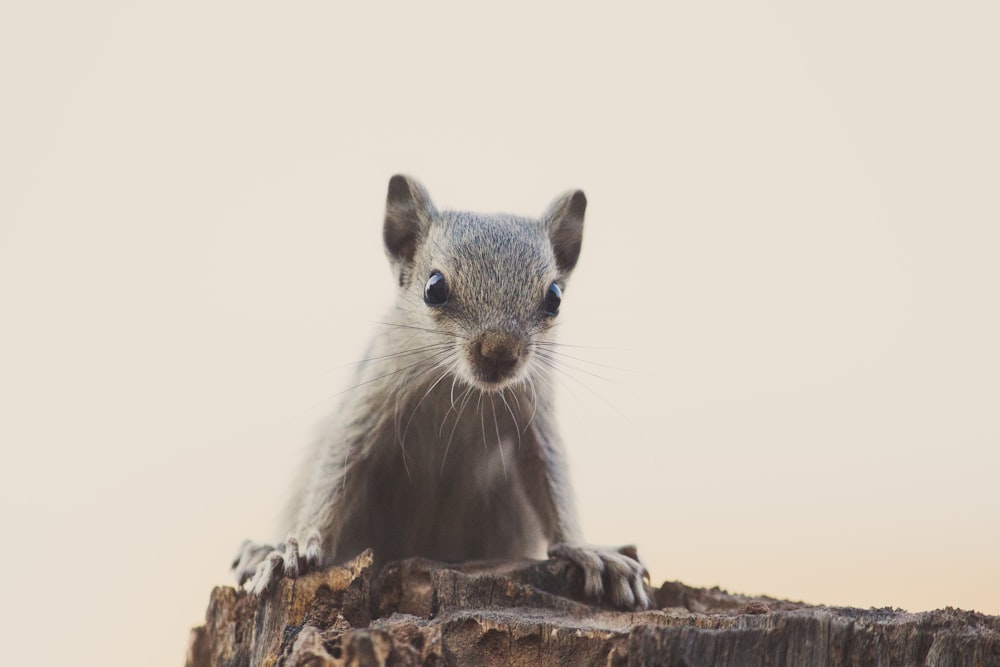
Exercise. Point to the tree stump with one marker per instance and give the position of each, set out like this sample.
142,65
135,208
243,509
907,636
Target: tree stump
420,612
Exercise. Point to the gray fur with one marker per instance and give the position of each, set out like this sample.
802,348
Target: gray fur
431,453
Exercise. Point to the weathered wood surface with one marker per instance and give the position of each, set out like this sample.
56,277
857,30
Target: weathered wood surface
417,612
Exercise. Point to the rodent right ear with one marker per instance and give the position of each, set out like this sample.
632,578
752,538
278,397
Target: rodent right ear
408,213
564,220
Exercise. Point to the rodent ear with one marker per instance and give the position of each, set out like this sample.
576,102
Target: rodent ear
564,220
408,213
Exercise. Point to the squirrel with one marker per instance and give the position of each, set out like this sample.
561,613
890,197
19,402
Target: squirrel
446,446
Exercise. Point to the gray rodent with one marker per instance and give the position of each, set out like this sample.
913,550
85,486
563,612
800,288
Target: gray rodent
446,446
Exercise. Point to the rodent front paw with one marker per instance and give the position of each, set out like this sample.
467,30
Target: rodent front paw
259,566
617,576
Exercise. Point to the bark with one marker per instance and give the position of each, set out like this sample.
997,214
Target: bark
418,612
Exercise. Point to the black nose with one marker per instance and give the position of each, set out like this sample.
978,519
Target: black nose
496,355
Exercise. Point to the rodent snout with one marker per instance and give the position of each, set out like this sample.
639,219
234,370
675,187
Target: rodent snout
496,355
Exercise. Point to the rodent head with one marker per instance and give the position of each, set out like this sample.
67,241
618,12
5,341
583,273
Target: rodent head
488,285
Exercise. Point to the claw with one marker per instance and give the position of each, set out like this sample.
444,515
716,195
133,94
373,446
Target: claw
618,573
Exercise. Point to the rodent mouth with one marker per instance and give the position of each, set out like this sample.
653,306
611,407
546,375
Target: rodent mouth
496,360
493,379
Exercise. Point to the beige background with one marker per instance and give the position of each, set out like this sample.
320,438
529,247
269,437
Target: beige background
790,266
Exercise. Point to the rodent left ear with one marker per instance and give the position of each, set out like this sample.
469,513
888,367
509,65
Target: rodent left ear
564,220
408,213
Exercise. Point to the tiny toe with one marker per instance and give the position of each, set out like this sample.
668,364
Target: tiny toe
314,549
642,600
266,574
240,553
593,584
638,579
291,560
619,581
251,557
243,575
261,579
588,561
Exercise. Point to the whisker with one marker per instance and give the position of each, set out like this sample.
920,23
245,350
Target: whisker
517,429
452,368
556,367
517,400
482,424
458,419
563,355
553,343
545,379
534,400
426,393
404,353
451,394
402,448
398,370
441,332
552,382
550,357
496,425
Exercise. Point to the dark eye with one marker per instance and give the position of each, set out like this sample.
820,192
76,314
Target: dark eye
436,290
552,300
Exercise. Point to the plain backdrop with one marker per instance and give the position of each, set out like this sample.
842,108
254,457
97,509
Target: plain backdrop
787,303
